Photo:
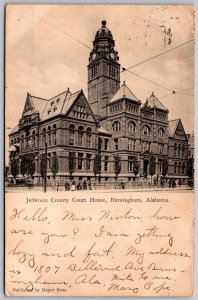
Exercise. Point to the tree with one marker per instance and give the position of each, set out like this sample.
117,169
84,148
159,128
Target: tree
14,167
152,165
136,166
72,163
164,167
27,166
31,167
54,166
117,165
97,165
23,168
190,168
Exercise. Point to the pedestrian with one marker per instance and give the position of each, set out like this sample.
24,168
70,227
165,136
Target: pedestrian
170,183
73,186
84,185
67,187
57,186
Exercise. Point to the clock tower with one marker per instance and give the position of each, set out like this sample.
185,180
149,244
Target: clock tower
103,71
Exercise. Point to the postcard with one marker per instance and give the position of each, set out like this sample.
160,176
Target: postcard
99,150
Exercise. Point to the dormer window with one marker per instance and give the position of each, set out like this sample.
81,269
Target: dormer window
55,109
58,100
52,103
49,111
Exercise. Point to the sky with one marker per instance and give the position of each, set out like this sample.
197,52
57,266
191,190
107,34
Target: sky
48,46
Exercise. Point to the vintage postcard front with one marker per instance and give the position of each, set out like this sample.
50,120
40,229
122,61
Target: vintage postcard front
99,141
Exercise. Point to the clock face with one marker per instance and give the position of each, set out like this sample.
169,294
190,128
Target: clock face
94,56
112,55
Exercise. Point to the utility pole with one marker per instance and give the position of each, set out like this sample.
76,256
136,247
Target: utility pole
45,171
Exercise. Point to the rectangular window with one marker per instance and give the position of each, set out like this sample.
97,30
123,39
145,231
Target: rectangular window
106,144
116,145
88,140
71,137
160,166
88,162
80,138
80,161
106,163
54,137
131,144
130,163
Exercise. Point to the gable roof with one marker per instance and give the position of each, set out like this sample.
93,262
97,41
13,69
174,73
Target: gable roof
14,130
124,92
173,126
69,101
153,101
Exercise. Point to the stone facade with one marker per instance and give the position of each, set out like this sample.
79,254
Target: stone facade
111,135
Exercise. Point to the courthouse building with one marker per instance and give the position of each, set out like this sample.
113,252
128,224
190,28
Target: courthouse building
104,135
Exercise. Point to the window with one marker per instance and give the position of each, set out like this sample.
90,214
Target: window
88,162
116,126
22,142
80,136
48,160
175,168
94,71
80,161
183,169
161,132
161,148
130,163
175,150
33,139
88,137
132,126
179,150
116,145
44,136
160,166
54,134
99,143
71,134
106,144
131,144
106,163
146,130
183,150
11,142
179,168
146,146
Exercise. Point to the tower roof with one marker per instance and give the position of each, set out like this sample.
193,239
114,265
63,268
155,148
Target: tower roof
124,92
153,101
104,32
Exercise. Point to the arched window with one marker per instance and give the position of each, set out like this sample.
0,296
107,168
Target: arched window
183,150
44,137
179,150
132,126
71,134
146,130
80,136
49,136
54,134
175,149
161,132
88,137
116,126
11,141
33,139
22,142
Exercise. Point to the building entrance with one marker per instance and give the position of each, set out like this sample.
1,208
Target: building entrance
146,167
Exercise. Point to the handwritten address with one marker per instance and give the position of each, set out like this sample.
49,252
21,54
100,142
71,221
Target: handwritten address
138,248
